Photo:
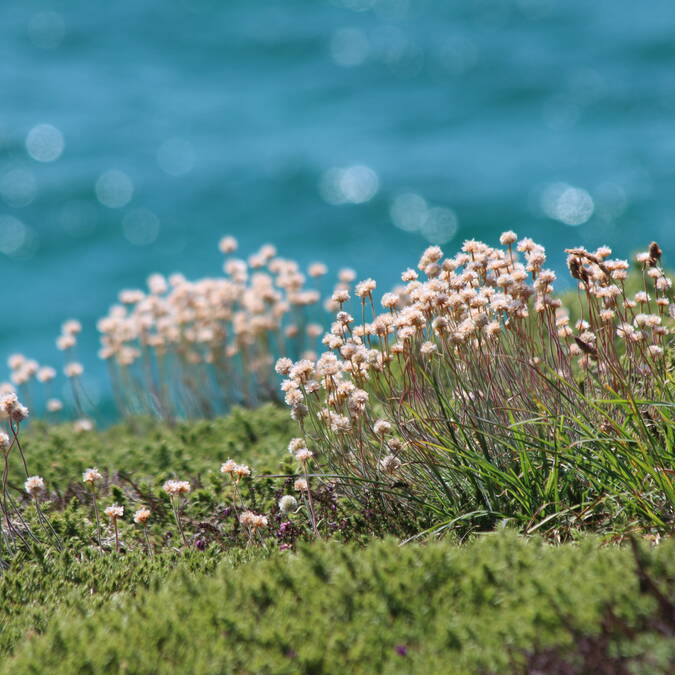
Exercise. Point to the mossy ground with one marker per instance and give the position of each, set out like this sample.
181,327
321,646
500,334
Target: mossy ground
499,604
353,602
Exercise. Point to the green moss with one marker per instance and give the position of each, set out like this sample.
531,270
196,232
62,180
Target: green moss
490,606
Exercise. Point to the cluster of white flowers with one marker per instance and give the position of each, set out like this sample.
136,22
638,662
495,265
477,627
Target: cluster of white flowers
233,469
12,409
91,476
34,485
141,516
176,487
252,520
453,308
114,511
217,322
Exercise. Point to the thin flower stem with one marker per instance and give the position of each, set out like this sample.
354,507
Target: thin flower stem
98,522
180,526
117,536
310,504
47,524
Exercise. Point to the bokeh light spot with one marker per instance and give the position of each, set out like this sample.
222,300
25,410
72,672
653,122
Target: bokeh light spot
440,225
114,189
567,204
17,188
349,47
140,227
176,156
354,185
13,234
409,211
78,217
45,143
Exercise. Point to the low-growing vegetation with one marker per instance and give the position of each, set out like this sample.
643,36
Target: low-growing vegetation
475,402
500,604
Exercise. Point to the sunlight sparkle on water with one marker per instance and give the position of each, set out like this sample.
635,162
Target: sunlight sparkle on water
411,213
570,205
140,227
114,189
18,188
12,234
45,143
176,156
353,185
349,47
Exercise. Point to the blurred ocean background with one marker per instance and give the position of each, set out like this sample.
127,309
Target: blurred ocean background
134,134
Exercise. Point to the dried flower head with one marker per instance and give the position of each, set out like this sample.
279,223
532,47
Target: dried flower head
390,464
54,405
228,467
34,485
227,245
176,487
317,270
303,455
365,288
91,476
241,471
73,369
114,511
252,520
141,516
381,428
82,425
283,366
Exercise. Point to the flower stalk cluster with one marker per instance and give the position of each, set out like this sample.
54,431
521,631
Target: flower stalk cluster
475,380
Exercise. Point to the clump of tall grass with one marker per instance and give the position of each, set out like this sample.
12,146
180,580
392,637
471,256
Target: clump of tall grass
194,348
472,398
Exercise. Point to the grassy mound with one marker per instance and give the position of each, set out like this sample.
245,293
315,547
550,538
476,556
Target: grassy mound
499,604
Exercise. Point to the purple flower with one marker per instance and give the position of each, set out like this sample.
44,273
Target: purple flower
401,650
200,544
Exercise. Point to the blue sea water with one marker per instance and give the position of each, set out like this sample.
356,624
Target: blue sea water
134,134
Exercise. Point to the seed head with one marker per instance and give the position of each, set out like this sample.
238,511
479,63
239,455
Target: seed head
381,428
288,503
390,464
655,254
